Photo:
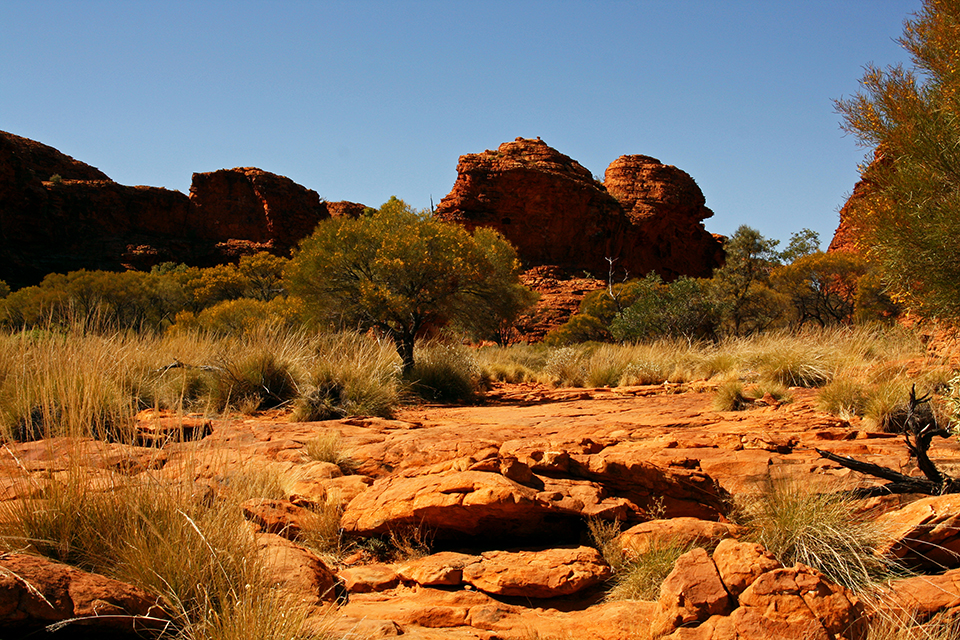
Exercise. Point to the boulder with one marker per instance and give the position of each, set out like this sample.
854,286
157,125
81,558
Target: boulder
925,534
36,592
296,570
740,563
470,503
280,517
797,602
369,578
690,594
923,596
641,538
537,574
436,570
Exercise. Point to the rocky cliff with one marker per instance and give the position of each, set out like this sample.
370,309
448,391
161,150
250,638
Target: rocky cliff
846,237
647,216
83,220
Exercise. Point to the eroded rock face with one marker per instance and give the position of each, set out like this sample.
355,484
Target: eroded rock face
647,215
666,209
84,220
256,205
537,574
545,203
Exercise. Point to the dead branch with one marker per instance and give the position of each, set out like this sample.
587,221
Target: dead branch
918,434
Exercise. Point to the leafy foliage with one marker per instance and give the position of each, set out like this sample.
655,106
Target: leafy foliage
400,271
907,216
683,308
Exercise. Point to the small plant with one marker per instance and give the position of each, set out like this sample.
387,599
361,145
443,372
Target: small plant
444,373
844,397
775,390
605,535
730,397
640,578
565,367
327,446
826,531
321,532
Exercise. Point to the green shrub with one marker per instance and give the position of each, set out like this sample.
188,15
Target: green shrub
579,328
682,308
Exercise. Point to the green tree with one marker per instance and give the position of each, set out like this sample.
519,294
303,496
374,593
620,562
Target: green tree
802,243
741,285
907,219
821,287
400,271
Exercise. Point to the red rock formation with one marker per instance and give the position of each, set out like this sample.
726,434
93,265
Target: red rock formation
846,238
666,209
345,209
254,205
545,203
647,215
83,220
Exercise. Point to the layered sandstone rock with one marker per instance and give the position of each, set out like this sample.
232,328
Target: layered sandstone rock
666,210
255,205
847,238
84,220
545,203
646,216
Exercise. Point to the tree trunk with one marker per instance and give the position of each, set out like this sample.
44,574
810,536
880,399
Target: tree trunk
404,341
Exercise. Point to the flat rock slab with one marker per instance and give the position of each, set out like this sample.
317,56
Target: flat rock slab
537,574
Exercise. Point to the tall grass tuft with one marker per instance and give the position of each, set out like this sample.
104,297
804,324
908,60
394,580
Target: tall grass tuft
444,373
825,531
348,374
192,549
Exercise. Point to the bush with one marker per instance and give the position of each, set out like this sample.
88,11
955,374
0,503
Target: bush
843,397
730,397
682,308
198,556
348,375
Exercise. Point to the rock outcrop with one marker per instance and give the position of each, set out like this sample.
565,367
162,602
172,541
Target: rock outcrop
37,592
847,238
666,210
647,216
83,220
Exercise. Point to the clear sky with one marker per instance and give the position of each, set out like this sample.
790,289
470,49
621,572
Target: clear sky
366,99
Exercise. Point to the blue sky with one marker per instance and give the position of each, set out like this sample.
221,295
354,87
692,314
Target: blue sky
367,99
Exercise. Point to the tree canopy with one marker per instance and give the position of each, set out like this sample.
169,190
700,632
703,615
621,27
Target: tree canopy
907,219
401,271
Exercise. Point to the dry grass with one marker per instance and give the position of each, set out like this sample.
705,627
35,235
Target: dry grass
640,577
826,531
892,626
191,548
